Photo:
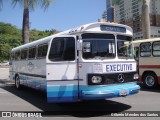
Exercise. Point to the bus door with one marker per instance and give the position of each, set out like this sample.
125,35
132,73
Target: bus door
62,76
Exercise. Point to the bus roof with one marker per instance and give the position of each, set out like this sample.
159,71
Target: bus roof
97,26
92,27
147,40
138,42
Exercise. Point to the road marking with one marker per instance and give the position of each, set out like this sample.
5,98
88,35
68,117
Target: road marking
4,68
3,92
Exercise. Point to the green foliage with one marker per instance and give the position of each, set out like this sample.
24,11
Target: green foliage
37,34
11,37
33,3
8,29
4,51
29,5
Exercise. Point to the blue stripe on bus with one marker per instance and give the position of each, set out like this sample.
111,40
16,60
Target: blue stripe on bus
62,93
66,88
108,87
70,93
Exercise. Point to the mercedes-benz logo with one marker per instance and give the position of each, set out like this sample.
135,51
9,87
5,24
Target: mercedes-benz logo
121,78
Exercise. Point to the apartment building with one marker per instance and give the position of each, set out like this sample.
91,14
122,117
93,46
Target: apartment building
130,12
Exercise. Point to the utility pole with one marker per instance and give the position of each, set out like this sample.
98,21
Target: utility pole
145,20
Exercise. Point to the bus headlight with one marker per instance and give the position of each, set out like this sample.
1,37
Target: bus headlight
96,79
136,76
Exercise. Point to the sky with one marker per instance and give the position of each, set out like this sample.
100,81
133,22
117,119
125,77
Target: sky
61,14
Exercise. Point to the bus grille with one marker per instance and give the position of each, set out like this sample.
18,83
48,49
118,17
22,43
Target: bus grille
112,78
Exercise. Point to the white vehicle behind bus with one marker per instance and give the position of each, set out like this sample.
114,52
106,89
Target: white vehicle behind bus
89,62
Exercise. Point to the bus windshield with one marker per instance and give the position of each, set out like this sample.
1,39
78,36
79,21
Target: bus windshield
98,46
124,47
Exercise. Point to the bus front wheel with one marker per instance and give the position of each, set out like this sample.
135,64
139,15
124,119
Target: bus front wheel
17,82
150,80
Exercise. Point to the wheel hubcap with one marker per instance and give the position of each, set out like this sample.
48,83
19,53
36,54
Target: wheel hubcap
150,81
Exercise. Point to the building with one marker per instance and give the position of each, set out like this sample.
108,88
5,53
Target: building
108,14
130,12
110,11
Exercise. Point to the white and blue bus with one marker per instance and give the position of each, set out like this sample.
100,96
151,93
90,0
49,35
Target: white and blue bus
90,62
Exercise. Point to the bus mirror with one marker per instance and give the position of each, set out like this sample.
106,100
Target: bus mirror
79,45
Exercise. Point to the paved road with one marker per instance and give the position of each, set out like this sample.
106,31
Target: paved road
31,100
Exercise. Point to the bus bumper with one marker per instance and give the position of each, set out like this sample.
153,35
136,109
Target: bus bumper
73,93
109,92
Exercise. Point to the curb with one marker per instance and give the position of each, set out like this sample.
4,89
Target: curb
4,67
6,81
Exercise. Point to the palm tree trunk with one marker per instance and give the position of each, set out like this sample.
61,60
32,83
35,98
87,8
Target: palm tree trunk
25,31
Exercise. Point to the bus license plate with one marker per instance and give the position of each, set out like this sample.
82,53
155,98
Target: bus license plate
123,92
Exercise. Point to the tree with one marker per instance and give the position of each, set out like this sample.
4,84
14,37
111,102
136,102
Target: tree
29,4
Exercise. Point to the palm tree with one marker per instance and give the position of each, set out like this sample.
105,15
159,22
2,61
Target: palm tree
29,5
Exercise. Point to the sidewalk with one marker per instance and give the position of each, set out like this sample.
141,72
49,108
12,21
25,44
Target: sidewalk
4,75
4,67
6,81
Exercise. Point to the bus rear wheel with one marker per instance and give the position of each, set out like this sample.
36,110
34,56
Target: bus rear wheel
150,80
17,82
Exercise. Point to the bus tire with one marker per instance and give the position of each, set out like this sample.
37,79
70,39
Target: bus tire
150,80
17,82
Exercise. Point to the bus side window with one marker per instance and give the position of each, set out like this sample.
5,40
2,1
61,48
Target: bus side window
69,51
156,49
62,49
12,56
24,54
42,50
145,49
17,55
32,53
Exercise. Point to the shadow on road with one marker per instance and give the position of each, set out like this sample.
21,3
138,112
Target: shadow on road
157,89
79,109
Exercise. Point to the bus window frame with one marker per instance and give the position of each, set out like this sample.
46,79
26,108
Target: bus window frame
58,39
35,53
155,50
12,56
21,54
145,51
19,57
41,57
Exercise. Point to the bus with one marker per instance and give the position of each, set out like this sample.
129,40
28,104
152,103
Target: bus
147,52
89,62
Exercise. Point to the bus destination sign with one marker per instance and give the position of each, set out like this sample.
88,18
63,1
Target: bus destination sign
113,28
